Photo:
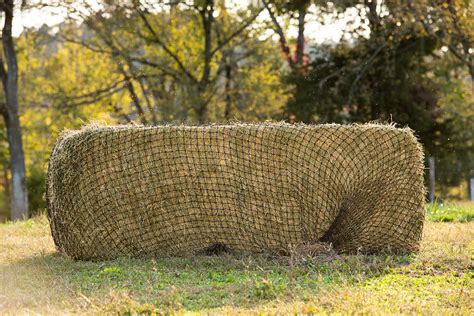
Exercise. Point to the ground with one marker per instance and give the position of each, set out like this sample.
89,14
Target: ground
439,280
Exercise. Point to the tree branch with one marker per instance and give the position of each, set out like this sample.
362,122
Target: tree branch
279,30
3,73
360,74
92,97
95,49
236,33
207,19
133,94
156,39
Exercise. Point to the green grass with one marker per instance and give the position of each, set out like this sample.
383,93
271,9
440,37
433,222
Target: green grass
439,280
450,212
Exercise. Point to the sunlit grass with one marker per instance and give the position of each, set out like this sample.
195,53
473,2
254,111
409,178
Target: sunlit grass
35,279
450,212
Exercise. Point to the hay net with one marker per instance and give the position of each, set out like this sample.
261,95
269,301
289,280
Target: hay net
179,190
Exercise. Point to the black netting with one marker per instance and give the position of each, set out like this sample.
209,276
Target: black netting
178,190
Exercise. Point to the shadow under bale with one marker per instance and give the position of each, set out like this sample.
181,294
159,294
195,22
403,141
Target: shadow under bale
182,190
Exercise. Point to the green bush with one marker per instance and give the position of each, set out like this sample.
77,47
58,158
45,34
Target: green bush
35,184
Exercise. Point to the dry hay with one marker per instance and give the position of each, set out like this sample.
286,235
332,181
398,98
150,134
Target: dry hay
179,190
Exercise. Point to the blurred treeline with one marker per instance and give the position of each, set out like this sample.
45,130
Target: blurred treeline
152,62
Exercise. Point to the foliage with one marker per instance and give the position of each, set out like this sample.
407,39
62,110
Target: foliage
398,74
35,184
171,74
48,72
66,80
455,152
451,22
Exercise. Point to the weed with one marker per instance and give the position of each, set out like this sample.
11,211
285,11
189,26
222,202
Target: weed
268,288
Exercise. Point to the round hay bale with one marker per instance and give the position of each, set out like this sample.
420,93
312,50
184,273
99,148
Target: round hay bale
179,190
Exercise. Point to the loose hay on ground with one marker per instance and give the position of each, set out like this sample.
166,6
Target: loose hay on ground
178,190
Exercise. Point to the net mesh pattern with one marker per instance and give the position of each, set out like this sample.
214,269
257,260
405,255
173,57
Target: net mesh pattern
178,190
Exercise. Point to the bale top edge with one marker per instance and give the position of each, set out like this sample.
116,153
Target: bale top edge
95,126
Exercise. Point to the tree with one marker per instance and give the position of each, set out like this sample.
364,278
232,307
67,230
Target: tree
177,64
295,51
449,21
74,76
300,7
9,111
399,74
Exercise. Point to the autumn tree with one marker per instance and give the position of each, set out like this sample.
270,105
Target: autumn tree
160,61
74,76
49,72
451,22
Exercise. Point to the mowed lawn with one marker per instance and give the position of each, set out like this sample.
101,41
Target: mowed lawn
439,280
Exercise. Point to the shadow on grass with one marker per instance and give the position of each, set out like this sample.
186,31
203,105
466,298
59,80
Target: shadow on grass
200,282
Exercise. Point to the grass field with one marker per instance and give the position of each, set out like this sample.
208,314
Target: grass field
439,280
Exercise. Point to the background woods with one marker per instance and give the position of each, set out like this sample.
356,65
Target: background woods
151,62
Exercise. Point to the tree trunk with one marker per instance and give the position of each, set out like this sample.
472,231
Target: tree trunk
9,76
300,40
201,112
6,182
207,21
228,96
19,198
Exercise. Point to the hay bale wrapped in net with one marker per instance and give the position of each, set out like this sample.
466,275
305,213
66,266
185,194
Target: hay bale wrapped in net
178,190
